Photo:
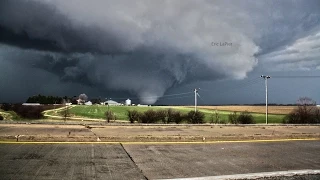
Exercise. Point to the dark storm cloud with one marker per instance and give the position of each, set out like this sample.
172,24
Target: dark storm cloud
37,25
147,47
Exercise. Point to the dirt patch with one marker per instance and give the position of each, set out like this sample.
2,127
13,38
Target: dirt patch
73,133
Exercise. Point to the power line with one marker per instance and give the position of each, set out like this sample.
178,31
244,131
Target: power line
149,97
295,76
176,97
222,90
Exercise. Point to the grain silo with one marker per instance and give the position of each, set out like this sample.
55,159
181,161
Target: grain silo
128,102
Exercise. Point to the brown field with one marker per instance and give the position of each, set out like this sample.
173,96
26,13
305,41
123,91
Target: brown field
255,109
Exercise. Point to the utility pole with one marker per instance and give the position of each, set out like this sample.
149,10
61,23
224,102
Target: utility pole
266,84
195,99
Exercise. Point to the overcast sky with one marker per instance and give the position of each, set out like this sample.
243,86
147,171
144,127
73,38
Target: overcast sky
159,51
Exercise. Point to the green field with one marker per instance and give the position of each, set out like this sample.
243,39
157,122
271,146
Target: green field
97,112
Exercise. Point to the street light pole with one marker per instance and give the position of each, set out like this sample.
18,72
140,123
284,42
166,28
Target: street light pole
266,84
195,100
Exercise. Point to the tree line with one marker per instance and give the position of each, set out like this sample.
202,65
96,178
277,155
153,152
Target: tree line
48,99
42,99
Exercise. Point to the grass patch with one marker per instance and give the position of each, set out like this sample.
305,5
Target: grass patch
10,115
98,112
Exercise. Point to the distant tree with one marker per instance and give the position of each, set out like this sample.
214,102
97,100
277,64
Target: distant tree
44,99
306,101
74,100
95,101
83,98
6,106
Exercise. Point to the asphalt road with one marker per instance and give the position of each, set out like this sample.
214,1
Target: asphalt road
153,161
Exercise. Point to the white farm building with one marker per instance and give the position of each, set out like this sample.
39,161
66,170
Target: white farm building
111,103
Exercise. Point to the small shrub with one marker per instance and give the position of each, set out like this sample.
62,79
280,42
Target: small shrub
149,116
174,116
1,117
109,115
195,117
177,117
215,118
233,118
245,118
212,118
133,115
162,115
170,114
316,115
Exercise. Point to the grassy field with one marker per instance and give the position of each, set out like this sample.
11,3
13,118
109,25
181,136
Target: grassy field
255,109
97,112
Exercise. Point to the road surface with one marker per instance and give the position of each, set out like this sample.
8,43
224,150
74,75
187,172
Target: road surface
153,161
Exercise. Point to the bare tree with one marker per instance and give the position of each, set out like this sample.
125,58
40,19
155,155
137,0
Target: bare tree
110,115
305,101
306,112
65,111
217,116
83,98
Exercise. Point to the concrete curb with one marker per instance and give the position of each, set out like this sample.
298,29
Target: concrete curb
258,175
80,121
